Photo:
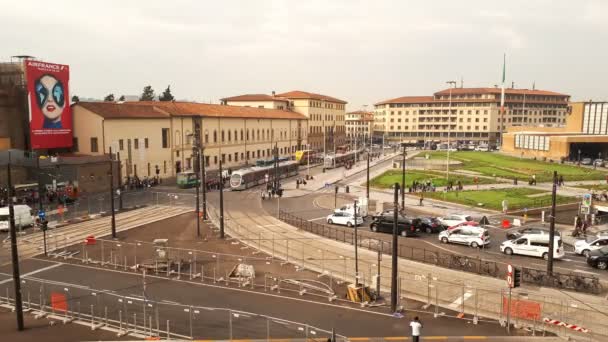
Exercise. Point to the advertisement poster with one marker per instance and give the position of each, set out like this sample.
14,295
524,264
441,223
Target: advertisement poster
49,102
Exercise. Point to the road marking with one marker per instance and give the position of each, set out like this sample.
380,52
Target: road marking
317,219
581,271
31,273
458,302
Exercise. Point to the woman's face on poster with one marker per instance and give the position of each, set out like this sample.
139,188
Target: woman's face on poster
50,96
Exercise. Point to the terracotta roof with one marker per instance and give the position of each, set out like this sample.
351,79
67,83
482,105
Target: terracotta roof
159,109
408,99
360,112
254,97
298,94
509,91
127,110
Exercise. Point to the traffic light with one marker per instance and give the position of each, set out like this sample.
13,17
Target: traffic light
44,225
516,277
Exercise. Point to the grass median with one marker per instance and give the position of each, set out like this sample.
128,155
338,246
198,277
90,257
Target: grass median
390,177
499,165
517,198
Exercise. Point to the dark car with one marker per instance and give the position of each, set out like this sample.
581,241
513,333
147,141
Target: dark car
599,258
384,224
516,234
429,225
383,213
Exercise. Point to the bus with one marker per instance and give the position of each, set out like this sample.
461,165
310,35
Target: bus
187,180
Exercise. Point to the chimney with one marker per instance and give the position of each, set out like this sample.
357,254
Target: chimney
273,93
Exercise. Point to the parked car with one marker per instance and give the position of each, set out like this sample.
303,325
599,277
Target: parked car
454,219
514,234
586,161
584,247
598,162
463,224
534,245
469,235
343,218
482,148
598,258
429,225
384,224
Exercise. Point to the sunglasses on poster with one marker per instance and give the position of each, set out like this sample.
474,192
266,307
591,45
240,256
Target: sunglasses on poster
42,92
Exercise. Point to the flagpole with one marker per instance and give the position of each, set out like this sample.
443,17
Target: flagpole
502,98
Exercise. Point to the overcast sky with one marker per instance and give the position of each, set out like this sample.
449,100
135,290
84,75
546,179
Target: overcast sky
360,51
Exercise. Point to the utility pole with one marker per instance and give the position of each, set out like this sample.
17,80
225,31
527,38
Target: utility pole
552,225
395,251
112,194
356,248
14,253
447,164
221,202
196,152
367,183
403,180
204,183
39,184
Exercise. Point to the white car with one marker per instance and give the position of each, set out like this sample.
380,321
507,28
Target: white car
533,245
583,247
467,235
454,219
343,218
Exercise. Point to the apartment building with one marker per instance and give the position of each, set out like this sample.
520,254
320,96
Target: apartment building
467,114
359,125
158,137
326,114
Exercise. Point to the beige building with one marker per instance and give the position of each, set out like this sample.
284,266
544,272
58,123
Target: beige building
585,135
359,125
472,114
326,114
153,137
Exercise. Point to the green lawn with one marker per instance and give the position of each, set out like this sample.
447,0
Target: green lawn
518,198
490,164
596,187
390,177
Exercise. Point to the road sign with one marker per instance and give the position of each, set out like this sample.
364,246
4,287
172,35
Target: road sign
41,214
587,200
510,282
266,178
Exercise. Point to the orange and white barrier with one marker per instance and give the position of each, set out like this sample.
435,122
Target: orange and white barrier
564,324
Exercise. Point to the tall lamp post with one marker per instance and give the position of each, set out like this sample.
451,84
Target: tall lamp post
221,202
14,253
203,161
112,194
447,164
403,179
356,248
395,250
196,152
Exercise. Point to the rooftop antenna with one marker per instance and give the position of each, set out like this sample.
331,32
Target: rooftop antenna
461,82
512,84
534,85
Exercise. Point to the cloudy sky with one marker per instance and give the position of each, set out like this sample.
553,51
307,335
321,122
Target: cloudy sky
360,51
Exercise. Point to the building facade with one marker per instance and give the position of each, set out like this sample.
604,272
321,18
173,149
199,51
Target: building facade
325,114
157,138
467,114
359,126
585,135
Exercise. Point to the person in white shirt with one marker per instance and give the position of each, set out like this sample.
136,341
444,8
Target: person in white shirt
416,328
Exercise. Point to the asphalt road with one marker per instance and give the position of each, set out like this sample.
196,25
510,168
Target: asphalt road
214,323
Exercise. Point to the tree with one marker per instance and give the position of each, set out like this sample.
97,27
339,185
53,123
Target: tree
148,94
121,98
166,96
109,98
75,99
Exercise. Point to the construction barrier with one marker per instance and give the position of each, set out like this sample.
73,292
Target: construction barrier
525,309
564,324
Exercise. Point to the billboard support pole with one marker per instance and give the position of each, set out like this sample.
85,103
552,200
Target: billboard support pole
14,253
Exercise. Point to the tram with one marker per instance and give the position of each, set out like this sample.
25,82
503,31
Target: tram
246,178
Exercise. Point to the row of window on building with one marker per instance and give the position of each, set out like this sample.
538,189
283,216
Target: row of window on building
532,142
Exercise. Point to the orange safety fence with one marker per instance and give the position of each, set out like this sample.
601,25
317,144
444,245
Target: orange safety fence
58,302
525,309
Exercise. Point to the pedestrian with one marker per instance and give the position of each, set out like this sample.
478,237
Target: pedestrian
561,180
421,198
534,179
416,329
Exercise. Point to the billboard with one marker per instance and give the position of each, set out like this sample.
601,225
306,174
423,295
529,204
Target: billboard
49,102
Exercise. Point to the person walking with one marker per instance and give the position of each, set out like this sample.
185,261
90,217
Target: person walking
416,329
421,198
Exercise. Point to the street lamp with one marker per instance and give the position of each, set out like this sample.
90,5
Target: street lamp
356,248
403,179
112,194
452,84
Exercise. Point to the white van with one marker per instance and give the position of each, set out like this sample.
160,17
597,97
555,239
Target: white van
23,217
533,245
